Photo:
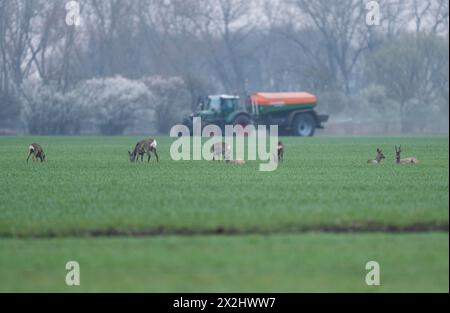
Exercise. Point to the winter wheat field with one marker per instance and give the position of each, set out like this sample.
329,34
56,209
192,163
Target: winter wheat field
311,225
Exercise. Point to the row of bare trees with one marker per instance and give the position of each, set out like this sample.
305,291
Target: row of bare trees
197,47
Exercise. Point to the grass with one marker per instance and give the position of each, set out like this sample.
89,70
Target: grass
88,186
88,183
278,263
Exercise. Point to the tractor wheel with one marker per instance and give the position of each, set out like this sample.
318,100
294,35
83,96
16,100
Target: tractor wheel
242,120
304,125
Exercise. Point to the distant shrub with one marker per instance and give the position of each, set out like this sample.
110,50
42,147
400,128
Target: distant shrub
171,100
47,111
114,103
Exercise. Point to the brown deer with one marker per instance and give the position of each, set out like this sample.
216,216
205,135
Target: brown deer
37,152
220,149
380,156
406,160
224,150
143,147
280,151
238,162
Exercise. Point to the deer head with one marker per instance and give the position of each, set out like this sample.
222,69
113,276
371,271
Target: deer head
380,156
132,156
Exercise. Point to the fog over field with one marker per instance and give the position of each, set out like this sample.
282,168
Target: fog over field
139,66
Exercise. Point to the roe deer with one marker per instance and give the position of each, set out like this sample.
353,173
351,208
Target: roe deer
280,151
37,152
406,160
238,162
220,149
143,147
380,156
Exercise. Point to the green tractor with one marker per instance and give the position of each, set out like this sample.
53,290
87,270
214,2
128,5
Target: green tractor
293,112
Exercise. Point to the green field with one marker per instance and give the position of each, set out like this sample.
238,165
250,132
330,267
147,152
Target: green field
272,223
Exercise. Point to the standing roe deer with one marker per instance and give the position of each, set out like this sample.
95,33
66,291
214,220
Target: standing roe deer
37,152
406,160
380,156
224,150
142,147
220,149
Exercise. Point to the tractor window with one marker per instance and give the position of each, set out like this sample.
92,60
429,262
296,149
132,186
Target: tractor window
204,104
228,105
214,104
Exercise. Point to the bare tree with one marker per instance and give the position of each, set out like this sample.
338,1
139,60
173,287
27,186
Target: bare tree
342,26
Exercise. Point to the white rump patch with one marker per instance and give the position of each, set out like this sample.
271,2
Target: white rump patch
153,144
31,147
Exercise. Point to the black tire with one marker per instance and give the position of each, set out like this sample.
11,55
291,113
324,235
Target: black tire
304,125
242,120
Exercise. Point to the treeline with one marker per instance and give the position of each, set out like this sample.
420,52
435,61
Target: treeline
139,65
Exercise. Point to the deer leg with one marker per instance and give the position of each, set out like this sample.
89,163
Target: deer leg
156,155
29,156
149,156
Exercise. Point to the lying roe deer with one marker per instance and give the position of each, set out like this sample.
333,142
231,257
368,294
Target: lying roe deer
238,162
37,152
406,160
143,147
380,156
220,149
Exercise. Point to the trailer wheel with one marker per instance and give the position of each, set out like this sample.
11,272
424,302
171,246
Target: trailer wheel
304,125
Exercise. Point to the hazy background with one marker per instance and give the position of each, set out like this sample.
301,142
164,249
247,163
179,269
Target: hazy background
137,66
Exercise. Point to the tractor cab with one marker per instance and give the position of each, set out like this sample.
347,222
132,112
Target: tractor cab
216,108
219,104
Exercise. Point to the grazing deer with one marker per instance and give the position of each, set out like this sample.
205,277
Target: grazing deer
380,156
143,147
220,149
37,152
406,160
